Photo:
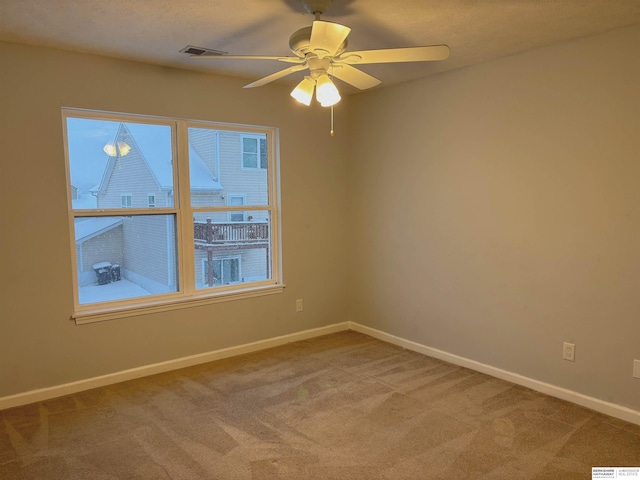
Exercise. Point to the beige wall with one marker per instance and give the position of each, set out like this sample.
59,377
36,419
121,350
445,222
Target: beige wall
501,210
492,213
39,345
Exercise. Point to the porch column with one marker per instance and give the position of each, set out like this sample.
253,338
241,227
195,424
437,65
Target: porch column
210,267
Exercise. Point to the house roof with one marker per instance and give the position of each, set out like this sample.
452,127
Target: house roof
84,200
87,228
202,178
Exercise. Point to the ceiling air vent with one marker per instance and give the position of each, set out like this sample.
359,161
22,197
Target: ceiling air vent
191,50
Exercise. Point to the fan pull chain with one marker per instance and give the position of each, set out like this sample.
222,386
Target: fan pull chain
330,72
331,120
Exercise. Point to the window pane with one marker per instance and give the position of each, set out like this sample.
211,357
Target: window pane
125,257
250,145
250,160
110,159
236,200
223,162
242,249
226,271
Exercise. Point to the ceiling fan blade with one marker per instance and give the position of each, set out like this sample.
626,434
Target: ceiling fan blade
327,37
251,57
396,55
354,77
275,76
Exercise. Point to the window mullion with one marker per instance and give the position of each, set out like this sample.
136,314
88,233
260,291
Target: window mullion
273,175
185,234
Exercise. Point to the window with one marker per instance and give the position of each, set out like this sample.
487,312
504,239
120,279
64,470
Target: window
225,271
236,200
254,152
193,241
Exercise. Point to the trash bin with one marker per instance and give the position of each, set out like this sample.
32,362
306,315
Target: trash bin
115,272
103,276
103,272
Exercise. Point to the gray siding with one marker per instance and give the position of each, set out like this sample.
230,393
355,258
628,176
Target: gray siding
146,247
107,247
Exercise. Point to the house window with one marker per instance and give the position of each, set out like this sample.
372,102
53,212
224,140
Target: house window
225,271
158,256
237,200
254,152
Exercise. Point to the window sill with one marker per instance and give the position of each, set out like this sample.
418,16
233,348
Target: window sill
112,313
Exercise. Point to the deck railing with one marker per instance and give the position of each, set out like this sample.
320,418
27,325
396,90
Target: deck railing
208,233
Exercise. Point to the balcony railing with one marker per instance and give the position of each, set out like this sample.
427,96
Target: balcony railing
209,234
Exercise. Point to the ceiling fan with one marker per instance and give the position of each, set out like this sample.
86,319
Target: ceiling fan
321,48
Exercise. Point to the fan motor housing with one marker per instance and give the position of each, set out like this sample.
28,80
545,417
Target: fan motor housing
300,39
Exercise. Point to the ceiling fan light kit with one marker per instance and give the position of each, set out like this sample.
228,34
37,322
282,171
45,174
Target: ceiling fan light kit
120,149
320,48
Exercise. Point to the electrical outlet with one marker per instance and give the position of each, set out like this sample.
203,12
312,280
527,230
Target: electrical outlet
569,351
636,368
299,305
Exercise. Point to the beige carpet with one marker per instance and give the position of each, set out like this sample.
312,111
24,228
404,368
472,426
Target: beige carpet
342,406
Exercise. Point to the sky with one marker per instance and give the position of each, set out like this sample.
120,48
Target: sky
87,138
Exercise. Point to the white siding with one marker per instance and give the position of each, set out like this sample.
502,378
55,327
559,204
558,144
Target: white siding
235,179
130,175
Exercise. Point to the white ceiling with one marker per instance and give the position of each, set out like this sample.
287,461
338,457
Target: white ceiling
154,31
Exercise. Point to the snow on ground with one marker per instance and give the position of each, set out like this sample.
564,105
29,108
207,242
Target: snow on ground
111,291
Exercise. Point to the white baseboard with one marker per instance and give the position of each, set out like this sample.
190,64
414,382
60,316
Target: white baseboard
611,409
101,381
617,411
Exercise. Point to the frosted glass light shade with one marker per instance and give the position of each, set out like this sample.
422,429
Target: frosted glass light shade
112,150
124,148
303,92
326,92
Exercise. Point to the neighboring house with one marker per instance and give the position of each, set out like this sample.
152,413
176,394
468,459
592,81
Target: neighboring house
227,168
92,235
81,200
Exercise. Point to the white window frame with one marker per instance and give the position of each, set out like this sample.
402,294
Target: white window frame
222,259
242,212
126,200
151,200
258,166
188,294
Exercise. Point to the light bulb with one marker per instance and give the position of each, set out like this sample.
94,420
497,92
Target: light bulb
124,148
110,149
303,92
326,92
